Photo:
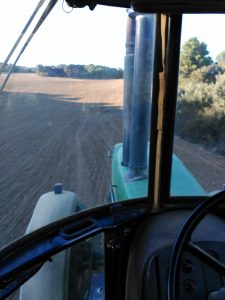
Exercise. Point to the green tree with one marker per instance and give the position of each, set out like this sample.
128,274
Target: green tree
194,55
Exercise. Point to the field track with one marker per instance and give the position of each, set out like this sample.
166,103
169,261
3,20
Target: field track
59,130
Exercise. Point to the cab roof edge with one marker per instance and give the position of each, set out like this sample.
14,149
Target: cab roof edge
157,6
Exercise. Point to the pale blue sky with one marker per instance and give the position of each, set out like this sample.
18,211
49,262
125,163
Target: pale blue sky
208,29
84,37
81,37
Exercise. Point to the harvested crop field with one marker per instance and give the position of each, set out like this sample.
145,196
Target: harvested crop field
60,130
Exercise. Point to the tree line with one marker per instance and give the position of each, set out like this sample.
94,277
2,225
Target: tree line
201,96
18,69
90,71
80,71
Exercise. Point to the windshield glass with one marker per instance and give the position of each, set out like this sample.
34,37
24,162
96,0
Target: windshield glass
61,109
199,148
78,91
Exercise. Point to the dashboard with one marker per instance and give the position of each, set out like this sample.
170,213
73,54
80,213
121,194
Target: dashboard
197,280
150,253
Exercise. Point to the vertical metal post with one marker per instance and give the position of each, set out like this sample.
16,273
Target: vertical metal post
142,89
169,106
128,85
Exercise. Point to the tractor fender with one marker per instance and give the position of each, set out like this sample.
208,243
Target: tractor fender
51,281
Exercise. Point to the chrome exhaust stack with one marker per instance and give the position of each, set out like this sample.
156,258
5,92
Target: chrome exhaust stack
141,90
128,85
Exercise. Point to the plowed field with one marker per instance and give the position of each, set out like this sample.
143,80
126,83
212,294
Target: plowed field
59,130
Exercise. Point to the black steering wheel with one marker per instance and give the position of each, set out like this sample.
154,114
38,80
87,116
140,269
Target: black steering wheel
183,244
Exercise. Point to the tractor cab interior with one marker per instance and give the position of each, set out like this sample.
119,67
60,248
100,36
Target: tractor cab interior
162,234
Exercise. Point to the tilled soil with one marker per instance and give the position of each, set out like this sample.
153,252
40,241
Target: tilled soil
208,167
60,130
50,136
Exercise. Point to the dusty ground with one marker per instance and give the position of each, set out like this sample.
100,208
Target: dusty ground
59,130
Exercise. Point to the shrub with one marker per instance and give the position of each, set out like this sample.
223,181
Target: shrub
195,95
199,129
219,93
201,112
207,74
